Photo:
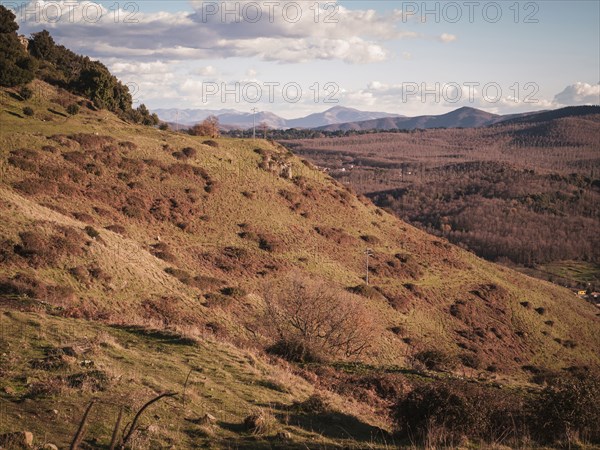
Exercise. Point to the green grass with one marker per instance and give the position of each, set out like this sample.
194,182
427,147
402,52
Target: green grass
223,381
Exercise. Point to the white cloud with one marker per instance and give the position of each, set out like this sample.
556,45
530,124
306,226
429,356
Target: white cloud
446,37
579,94
353,36
207,71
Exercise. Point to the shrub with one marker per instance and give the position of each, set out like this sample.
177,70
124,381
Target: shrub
91,232
307,318
116,228
209,127
364,290
369,239
73,109
211,143
234,292
168,311
261,422
28,111
218,300
207,283
447,412
570,407
295,351
316,404
25,93
435,360
189,152
470,360
269,243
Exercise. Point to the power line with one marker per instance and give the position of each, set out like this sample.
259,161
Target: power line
254,123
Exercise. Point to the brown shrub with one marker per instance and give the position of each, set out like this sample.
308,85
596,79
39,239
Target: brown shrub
369,239
309,319
235,292
116,228
189,152
206,283
569,408
444,413
261,422
35,186
40,250
63,140
84,217
91,232
76,157
128,145
49,149
365,290
92,141
93,380
81,274
27,286
336,235
23,163
214,299
211,143
54,173
435,360
270,243
187,171
168,311
180,274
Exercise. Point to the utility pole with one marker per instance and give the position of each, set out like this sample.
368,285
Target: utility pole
254,123
368,252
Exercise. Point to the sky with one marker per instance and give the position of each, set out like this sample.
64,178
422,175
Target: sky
294,58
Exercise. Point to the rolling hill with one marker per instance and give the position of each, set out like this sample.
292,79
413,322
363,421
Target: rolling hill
137,261
464,117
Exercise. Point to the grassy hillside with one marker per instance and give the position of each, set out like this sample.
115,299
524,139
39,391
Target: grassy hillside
523,192
111,229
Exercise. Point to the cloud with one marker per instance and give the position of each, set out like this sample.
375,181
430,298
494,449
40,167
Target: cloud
446,37
579,94
285,31
423,98
207,71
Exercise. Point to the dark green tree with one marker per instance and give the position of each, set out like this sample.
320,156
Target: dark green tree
16,66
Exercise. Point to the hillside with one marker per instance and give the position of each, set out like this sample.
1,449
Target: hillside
461,118
523,193
159,251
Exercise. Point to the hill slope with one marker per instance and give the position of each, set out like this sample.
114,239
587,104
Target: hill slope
126,225
464,117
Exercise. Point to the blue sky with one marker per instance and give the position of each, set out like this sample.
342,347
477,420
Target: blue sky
376,55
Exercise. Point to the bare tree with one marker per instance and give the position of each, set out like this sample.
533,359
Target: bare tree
309,319
208,127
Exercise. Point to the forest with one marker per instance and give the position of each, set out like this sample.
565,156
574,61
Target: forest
521,193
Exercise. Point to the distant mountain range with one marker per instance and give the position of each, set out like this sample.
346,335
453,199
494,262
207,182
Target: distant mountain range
340,118
231,118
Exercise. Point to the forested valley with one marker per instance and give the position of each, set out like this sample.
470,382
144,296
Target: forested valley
524,193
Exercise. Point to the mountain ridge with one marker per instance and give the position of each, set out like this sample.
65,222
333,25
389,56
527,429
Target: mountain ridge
339,118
